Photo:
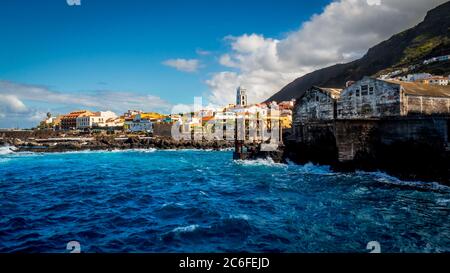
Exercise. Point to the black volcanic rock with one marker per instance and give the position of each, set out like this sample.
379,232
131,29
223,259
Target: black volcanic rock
428,39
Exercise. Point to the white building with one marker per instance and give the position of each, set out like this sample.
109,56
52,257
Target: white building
416,77
49,120
132,113
437,80
225,116
97,119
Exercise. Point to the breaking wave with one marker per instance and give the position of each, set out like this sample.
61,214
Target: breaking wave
5,150
185,229
204,202
311,168
260,162
385,178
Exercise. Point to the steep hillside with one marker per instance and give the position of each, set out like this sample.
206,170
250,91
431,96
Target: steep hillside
428,39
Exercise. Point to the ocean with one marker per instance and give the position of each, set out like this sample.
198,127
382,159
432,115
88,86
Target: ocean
203,201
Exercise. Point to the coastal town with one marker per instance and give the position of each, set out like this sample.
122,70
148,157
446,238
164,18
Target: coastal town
201,132
157,124
356,127
206,128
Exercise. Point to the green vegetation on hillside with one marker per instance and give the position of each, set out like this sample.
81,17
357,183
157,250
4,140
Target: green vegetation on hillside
421,47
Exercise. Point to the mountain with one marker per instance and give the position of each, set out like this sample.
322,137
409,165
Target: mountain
428,39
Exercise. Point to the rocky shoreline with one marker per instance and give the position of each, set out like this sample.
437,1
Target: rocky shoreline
110,143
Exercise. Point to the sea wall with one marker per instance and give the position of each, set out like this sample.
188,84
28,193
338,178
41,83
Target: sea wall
312,142
409,148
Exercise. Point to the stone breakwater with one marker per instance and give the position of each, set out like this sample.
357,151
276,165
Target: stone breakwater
109,143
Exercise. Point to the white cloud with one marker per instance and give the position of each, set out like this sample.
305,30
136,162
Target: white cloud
10,103
374,2
101,99
40,99
343,32
226,60
184,65
181,109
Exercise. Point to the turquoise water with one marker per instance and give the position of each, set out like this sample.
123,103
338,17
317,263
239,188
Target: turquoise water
203,201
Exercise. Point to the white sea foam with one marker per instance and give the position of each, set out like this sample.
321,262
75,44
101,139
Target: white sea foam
5,150
170,204
388,179
189,150
185,229
151,150
443,202
240,217
310,168
260,162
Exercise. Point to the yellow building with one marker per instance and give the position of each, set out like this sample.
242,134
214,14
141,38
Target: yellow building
286,122
150,116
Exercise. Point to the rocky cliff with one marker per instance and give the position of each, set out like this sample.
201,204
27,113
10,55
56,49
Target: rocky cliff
428,39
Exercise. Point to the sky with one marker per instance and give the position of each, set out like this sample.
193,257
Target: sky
158,55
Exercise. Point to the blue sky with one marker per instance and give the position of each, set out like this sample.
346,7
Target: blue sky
121,44
122,48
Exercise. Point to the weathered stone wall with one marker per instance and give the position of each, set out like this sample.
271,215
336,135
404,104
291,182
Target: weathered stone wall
310,132
353,136
359,136
369,98
414,129
312,142
419,105
162,129
314,105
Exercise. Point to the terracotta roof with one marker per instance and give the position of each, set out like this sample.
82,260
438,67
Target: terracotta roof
420,89
206,119
75,114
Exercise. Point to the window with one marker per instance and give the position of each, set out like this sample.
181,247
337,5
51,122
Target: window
371,90
357,92
317,98
364,89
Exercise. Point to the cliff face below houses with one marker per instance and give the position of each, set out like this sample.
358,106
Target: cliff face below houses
411,149
429,39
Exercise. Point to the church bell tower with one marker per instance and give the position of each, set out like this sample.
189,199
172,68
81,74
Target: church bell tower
241,97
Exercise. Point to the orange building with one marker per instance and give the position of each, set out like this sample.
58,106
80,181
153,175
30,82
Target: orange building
69,121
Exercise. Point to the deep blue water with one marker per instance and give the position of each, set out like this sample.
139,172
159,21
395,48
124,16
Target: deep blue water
203,201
